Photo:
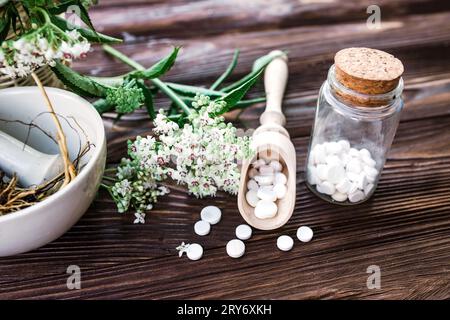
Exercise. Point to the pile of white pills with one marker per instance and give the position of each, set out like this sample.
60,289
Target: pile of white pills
266,185
342,172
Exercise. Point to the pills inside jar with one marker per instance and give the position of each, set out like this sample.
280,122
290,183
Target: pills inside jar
342,172
267,185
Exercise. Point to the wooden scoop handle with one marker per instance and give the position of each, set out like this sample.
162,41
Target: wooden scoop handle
275,80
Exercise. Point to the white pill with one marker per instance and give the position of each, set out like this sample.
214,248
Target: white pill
266,170
194,251
345,158
356,196
354,165
338,196
304,234
368,188
243,232
353,177
353,188
369,161
235,248
280,178
258,163
362,181
267,194
371,179
252,172
370,171
312,175
252,197
285,243
276,165
327,188
322,171
345,145
353,152
252,185
333,148
211,214
280,190
267,188
364,153
264,180
202,228
335,173
333,159
265,209
319,154
343,186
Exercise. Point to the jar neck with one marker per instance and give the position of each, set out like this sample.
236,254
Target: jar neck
356,99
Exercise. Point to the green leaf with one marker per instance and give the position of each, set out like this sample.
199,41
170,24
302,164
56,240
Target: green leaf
90,35
84,15
80,84
3,2
227,72
62,7
258,66
234,96
148,99
160,68
191,91
109,81
4,28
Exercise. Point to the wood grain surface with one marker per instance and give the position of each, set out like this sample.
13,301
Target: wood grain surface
404,228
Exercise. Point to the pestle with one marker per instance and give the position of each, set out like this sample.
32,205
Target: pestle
31,166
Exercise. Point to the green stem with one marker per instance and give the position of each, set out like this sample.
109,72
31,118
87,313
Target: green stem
227,72
158,83
109,179
44,14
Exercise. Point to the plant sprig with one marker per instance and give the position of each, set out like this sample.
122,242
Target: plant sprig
149,82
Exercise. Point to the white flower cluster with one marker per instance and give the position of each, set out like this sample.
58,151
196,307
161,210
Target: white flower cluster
21,57
202,155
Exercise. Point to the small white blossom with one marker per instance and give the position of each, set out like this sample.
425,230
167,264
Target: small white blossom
202,155
140,217
182,248
23,56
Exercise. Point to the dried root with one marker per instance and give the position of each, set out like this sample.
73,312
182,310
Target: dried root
69,169
13,198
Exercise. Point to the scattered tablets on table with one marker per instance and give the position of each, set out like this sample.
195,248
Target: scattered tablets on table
243,232
202,228
285,243
211,214
304,234
235,248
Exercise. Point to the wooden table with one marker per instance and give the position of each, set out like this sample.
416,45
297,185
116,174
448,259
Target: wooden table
404,229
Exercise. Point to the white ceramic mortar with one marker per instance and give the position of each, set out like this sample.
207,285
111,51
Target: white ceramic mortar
46,221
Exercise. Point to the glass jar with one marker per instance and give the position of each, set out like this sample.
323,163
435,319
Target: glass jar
351,136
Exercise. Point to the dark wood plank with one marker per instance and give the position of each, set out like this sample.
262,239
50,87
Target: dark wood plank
180,19
404,229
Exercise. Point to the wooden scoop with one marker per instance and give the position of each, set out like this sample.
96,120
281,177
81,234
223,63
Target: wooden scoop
271,141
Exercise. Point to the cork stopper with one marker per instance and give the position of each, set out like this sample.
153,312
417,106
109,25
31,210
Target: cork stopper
367,71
